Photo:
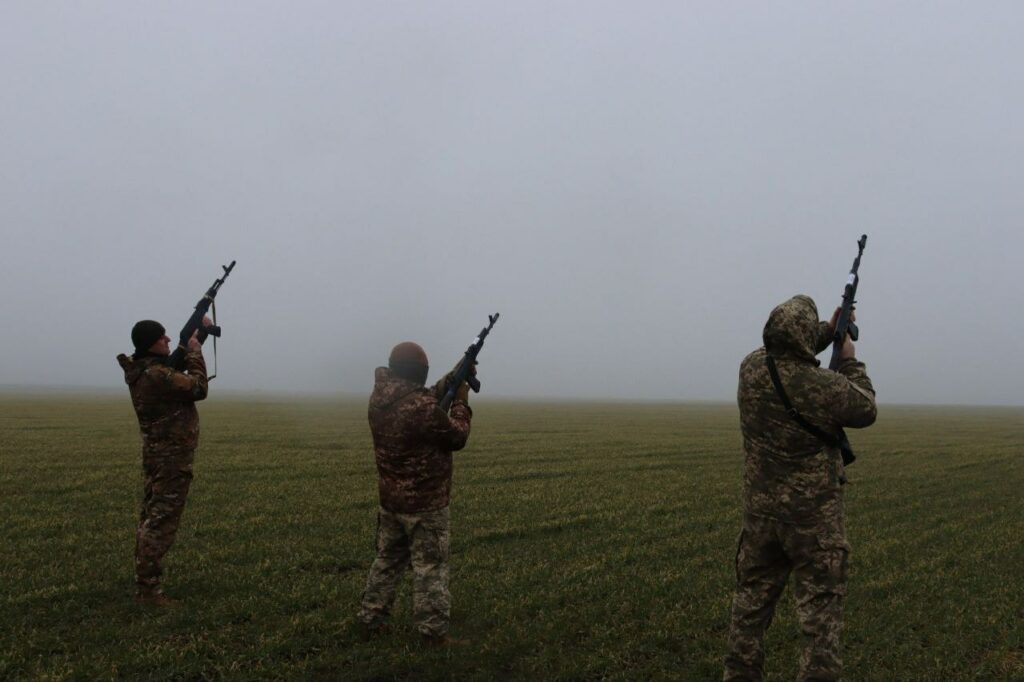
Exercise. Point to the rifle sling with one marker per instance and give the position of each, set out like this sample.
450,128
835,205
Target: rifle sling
810,428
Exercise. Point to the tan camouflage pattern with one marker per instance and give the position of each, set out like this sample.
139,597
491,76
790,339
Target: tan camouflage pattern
167,480
413,440
164,401
794,521
422,542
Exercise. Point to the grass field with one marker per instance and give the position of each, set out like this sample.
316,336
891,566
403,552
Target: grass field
589,541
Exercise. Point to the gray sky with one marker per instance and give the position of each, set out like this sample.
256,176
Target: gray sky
632,185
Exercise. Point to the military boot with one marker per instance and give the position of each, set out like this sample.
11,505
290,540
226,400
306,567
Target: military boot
369,633
442,641
155,597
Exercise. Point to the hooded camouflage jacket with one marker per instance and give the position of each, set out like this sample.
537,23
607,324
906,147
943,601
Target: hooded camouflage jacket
790,474
164,401
413,440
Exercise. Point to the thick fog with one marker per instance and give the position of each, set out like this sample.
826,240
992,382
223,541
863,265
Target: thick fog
633,186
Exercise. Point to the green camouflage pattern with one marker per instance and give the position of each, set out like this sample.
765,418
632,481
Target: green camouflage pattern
790,475
413,440
164,401
794,521
768,552
422,542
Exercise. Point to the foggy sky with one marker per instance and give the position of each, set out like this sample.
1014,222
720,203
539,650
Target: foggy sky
633,186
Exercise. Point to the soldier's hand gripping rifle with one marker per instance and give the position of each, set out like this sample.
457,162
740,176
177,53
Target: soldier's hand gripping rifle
464,371
844,326
195,324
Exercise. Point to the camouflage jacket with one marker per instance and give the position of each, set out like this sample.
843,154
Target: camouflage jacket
790,474
164,401
413,440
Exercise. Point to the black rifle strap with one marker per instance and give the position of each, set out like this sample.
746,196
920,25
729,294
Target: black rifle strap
810,428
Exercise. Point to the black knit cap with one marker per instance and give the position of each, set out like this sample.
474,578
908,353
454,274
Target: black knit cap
145,333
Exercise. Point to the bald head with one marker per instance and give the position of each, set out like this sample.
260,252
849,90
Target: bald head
409,361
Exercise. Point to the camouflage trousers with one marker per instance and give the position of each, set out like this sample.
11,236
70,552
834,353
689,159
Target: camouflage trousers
768,552
417,540
167,479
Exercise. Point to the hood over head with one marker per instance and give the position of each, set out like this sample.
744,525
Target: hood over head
792,329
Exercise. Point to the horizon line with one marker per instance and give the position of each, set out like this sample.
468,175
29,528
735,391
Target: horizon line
12,390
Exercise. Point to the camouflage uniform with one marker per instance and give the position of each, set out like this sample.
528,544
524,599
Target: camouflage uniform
793,518
164,401
413,440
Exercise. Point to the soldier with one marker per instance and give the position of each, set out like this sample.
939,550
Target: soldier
793,518
164,401
413,440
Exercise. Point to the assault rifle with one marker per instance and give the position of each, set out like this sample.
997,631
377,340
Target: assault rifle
195,324
464,370
844,326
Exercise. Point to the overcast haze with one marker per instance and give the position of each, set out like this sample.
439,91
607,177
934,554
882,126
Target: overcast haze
633,186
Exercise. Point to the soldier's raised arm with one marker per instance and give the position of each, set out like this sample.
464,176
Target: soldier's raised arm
188,385
827,330
192,384
853,403
450,430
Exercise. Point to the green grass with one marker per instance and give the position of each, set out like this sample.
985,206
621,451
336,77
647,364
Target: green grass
589,541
